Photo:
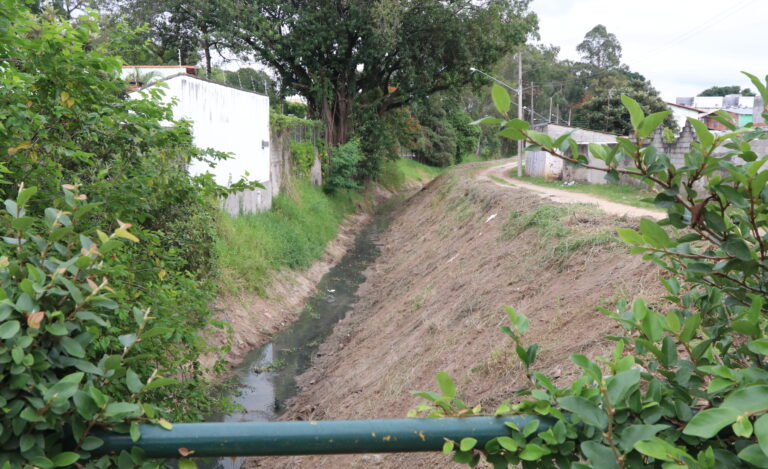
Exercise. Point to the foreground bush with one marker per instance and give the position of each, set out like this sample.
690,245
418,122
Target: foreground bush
684,387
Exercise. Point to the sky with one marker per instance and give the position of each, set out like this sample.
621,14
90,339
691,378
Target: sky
681,46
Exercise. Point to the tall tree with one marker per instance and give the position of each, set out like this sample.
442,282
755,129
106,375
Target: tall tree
600,48
378,55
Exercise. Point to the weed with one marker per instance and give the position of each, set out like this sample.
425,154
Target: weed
291,235
395,174
562,251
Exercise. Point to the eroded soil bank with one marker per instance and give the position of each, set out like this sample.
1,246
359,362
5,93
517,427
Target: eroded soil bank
453,256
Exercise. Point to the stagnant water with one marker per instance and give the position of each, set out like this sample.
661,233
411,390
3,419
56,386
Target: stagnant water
267,375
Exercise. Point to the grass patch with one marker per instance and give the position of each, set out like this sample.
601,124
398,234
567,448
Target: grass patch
291,235
394,174
563,230
621,193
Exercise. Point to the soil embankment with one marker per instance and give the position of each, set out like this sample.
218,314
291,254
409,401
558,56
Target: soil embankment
453,256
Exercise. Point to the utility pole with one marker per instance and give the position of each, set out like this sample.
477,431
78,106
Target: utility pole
520,111
550,109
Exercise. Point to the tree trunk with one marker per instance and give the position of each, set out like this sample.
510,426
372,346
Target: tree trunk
335,113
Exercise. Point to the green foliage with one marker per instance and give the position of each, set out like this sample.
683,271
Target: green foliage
303,156
104,309
296,109
685,385
343,171
291,235
395,174
600,48
73,344
726,90
355,63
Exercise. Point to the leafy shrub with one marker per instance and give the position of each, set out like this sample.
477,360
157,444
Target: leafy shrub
343,171
684,387
73,346
303,156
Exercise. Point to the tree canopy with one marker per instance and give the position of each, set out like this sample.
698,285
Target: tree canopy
600,48
381,54
726,90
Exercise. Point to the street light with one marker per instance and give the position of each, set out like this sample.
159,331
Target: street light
519,92
473,70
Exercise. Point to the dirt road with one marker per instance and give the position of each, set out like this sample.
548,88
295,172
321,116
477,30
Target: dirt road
565,197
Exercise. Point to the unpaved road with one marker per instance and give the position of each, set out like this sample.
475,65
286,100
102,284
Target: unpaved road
565,197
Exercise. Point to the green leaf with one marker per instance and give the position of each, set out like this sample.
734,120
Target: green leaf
72,347
447,386
530,428
742,427
448,447
702,132
160,382
9,329
761,432
500,98
467,444
754,455
749,399
121,410
658,449
133,382
635,111
708,423
22,223
630,236
737,248
65,459
587,365
620,385
91,443
25,195
187,464
519,320
654,234
65,388
649,124
534,452
599,455
586,410
635,433
135,432
507,443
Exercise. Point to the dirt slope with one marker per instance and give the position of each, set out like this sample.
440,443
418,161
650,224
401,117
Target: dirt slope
455,254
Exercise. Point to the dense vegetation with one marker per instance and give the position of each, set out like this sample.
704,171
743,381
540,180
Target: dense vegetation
107,252
685,385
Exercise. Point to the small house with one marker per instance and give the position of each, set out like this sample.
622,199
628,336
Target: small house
542,164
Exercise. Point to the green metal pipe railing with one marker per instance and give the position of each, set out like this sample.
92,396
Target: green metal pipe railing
312,437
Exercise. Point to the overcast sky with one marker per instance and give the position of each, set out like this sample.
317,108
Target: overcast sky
682,46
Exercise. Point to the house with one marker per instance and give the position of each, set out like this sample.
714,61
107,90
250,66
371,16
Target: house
681,113
742,109
542,164
227,119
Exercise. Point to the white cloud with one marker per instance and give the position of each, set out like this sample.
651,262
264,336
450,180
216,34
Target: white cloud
682,46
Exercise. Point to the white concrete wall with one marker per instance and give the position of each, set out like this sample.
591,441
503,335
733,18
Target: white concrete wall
680,114
229,120
542,164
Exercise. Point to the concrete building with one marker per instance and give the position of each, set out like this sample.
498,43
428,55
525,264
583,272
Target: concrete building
542,164
230,120
681,113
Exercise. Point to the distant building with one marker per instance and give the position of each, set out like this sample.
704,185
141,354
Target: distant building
681,113
542,164
742,109
227,119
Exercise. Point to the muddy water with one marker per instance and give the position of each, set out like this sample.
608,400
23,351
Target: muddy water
267,375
